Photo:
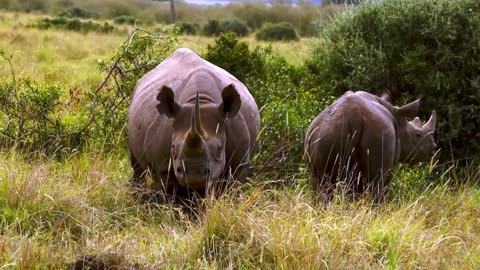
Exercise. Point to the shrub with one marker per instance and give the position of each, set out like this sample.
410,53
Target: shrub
124,19
235,26
277,31
215,27
188,28
281,90
31,116
63,23
212,28
76,12
411,48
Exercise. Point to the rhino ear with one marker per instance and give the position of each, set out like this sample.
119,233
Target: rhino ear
167,105
231,101
408,110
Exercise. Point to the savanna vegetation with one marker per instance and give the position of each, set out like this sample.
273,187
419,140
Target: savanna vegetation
64,97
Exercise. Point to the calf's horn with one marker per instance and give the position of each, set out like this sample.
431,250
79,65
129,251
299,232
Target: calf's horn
430,125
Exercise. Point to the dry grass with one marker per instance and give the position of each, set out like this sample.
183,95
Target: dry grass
53,213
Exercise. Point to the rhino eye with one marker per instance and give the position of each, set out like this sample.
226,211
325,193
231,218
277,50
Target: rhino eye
219,151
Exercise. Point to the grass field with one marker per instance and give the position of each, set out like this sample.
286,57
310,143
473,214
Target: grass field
54,213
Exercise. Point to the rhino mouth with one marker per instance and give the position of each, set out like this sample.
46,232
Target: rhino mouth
193,182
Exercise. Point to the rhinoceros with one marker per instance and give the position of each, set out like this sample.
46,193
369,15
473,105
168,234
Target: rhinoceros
359,139
190,124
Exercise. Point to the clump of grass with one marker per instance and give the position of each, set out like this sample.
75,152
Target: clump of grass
54,213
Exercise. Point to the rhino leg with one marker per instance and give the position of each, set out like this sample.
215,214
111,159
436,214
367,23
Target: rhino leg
138,177
323,183
375,164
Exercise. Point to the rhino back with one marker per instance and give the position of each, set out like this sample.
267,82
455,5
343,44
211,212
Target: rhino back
354,122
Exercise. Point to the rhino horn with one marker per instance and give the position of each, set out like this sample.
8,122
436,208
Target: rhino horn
194,136
430,125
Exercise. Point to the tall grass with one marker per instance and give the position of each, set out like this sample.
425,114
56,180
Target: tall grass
54,213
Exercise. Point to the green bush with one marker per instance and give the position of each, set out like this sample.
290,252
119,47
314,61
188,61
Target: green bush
30,118
277,31
411,48
212,28
124,19
235,26
215,27
63,23
188,28
283,93
76,12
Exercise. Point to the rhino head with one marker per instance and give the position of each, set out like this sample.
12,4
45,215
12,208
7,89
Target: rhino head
199,135
417,142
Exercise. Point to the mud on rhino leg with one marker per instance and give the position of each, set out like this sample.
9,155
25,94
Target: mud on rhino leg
377,174
138,177
323,185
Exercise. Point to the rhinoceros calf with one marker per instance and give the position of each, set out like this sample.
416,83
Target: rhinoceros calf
190,124
360,138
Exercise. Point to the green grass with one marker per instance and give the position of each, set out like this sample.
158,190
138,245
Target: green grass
54,212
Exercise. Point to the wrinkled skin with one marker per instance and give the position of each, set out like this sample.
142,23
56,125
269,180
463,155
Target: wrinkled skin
359,139
191,125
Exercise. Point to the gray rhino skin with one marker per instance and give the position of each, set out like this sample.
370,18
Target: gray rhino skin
359,139
190,124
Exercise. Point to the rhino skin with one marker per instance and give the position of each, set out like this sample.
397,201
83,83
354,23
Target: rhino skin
191,124
359,139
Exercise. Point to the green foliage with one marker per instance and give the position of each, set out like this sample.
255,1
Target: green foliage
31,117
411,48
235,26
277,31
124,19
136,56
215,27
76,12
287,100
63,23
189,28
212,28
234,56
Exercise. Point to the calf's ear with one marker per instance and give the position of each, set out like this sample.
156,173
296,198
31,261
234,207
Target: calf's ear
231,101
408,110
167,105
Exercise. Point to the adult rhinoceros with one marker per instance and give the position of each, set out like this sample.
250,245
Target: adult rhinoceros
190,125
360,138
